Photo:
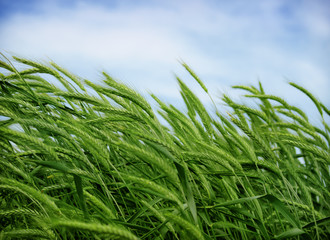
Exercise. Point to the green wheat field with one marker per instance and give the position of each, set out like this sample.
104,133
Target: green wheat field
80,160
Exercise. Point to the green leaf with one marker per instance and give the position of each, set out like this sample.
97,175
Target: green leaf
279,206
187,190
54,165
322,221
80,192
236,201
290,233
222,224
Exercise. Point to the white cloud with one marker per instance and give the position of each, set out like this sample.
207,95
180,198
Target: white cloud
100,35
224,43
315,16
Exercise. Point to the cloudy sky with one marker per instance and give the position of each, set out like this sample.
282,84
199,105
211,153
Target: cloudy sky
141,42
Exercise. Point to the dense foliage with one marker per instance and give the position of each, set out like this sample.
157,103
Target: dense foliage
80,160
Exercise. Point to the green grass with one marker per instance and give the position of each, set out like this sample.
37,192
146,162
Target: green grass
77,165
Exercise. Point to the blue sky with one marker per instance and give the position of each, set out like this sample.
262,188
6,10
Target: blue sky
140,42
